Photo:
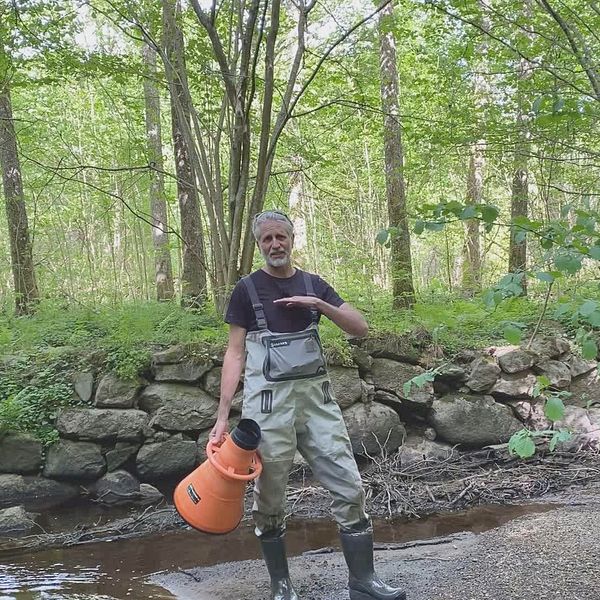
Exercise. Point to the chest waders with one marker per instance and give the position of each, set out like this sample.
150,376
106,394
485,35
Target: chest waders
287,391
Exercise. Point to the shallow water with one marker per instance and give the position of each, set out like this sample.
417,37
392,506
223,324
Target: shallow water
118,570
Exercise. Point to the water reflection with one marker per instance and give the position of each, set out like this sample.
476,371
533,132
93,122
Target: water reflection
118,570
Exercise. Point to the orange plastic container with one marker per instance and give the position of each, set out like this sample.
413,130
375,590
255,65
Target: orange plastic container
211,498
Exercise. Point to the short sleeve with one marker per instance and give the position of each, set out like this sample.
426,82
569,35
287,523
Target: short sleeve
239,308
324,291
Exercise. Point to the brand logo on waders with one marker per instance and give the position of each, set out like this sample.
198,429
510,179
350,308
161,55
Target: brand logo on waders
280,343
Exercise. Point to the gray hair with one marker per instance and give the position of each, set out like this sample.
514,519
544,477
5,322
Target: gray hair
271,215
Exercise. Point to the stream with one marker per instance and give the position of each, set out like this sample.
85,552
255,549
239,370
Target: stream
119,569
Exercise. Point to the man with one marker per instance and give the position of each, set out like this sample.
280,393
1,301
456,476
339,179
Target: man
273,316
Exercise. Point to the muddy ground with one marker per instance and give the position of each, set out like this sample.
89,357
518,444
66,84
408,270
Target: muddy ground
548,555
542,556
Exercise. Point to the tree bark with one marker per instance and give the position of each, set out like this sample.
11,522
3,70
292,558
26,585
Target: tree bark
26,290
472,259
519,206
163,272
193,275
401,267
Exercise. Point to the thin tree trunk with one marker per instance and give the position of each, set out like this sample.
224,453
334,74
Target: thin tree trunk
193,276
163,271
26,290
401,267
519,206
472,263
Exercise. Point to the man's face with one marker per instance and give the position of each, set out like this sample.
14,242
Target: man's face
275,243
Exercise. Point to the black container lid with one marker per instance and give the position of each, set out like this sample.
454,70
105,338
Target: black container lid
246,435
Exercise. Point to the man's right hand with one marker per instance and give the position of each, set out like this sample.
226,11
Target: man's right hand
217,433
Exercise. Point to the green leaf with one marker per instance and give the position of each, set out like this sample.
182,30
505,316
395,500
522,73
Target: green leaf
520,236
544,276
558,105
554,409
568,262
537,103
589,349
468,212
542,382
521,444
434,226
489,213
419,227
595,252
382,236
513,334
587,308
562,435
594,319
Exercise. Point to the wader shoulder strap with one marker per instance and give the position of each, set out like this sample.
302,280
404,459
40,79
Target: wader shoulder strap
257,306
310,291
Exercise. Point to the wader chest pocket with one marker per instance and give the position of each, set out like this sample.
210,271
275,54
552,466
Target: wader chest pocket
293,356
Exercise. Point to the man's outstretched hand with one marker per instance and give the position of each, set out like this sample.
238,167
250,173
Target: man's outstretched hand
299,302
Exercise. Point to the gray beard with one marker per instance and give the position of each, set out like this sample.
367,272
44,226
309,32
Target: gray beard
277,262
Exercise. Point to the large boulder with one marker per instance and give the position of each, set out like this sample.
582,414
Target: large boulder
579,366
189,370
417,449
373,427
186,414
551,347
516,360
172,458
20,453
171,355
74,460
585,390
346,384
390,376
101,424
472,420
399,347
557,373
15,518
519,385
484,374
584,426
120,454
83,384
118,487
34,491
114,392
157,395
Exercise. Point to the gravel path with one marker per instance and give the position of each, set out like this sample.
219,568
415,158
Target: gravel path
549,555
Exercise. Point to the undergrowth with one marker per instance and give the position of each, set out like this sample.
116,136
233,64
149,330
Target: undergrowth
38,353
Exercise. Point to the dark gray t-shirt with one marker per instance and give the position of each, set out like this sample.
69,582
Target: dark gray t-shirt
279,318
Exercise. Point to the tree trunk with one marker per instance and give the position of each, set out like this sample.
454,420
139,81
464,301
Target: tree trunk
26,291
163,272
472,263
193,275
471,275
519,206
401,267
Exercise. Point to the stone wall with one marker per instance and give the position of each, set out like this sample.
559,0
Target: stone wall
137,433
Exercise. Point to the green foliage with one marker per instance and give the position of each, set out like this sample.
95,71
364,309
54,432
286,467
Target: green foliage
418,381
31,395
522,443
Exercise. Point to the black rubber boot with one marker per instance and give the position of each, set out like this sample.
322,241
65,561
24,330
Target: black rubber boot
273,549
363,582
